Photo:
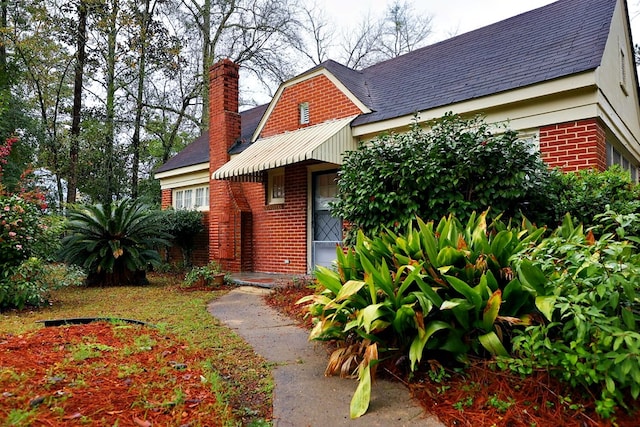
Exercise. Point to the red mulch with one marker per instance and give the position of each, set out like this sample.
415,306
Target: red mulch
481,396
104,374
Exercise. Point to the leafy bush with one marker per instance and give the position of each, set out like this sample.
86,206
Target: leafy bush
20,229
114,243
587,193
458,166
588,290
448,290
21,286
183,226
210,274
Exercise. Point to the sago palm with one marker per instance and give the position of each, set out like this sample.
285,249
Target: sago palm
115,243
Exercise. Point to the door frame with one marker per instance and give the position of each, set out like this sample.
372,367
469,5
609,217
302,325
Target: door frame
311,171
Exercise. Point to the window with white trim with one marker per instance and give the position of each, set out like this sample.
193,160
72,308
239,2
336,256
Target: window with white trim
194,198
615,157
275,187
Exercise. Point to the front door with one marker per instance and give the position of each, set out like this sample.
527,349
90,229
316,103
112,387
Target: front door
327,230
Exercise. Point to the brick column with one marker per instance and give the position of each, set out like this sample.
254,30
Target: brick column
573,146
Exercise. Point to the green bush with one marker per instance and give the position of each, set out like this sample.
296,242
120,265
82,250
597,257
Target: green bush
587,193
21,229
588,290
458,166
444,290
114,243
183,226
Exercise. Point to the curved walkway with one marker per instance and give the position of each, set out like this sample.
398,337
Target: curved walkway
302,395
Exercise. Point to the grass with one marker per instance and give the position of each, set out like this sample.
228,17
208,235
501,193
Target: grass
243,379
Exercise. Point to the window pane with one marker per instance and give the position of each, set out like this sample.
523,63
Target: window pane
178,202
199,197
188,194
277,187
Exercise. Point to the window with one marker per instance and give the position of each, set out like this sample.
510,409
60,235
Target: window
275,190
191,198
615,157
202,197
188,200
304,113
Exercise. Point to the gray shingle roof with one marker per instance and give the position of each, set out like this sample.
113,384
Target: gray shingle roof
563,38
198,150
560,39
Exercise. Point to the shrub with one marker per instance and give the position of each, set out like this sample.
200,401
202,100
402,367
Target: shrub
183,226
21,229
587,289
114,243
587,193
444,290
458,166
210,274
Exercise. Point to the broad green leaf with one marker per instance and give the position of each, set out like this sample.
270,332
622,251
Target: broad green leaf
531,276
362,396
546,306
611,386
629,318
369,314
448,305
348,289
429,242
404,317
491,310
492,344
429,292
449,256
466,290
500,246
418,343
329,279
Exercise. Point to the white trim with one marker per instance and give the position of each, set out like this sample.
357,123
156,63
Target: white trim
181,171
497,102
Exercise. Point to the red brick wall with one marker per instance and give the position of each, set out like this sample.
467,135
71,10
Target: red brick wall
167,198
574,145
325,100
280,231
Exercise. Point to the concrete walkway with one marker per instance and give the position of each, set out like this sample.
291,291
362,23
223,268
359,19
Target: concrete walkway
302,395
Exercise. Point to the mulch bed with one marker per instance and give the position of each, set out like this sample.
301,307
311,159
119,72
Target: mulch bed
481,395
103,374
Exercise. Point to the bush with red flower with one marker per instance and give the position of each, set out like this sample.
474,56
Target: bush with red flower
27,236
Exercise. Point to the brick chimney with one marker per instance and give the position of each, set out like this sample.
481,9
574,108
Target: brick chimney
229,214
224,118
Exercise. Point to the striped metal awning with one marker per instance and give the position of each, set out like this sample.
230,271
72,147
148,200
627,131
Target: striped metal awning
326,142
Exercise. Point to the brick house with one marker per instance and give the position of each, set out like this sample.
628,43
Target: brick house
563,74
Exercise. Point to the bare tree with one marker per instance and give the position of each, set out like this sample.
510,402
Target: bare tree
373,39
403,30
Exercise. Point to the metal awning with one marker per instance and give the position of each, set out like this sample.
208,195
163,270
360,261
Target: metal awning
326,142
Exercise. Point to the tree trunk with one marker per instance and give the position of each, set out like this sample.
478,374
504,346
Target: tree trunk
110,191
72,183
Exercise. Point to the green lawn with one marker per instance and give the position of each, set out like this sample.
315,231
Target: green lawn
180,314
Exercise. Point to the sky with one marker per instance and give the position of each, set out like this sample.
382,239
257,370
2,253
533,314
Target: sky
449,18
452,17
